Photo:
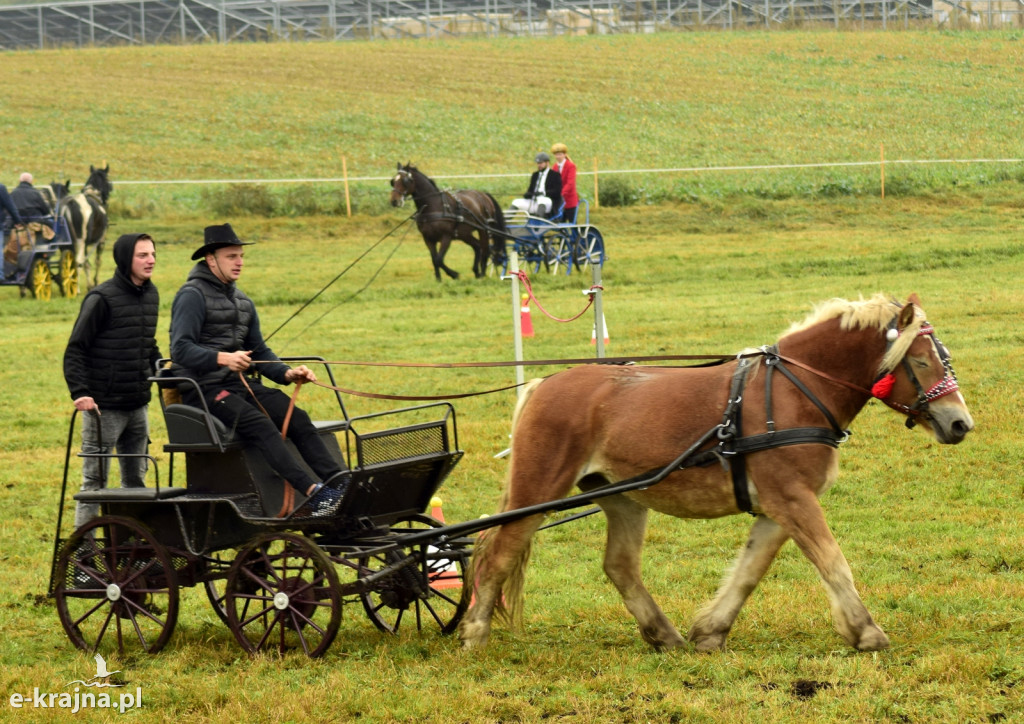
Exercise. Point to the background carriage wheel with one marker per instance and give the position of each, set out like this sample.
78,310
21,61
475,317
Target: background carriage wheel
67,280
560,259
116,587
391,603
216,583
282,593
590,249
39,280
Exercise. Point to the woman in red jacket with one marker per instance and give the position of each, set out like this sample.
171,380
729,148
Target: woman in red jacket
564,165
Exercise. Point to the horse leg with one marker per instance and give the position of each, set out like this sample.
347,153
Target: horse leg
445,243
627,522
713,623
802,517
500,557
480,255
432,248
99,258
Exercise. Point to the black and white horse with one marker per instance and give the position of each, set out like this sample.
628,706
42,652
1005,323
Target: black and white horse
86,217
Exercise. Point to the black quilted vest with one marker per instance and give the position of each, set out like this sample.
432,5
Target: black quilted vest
123,351
229,313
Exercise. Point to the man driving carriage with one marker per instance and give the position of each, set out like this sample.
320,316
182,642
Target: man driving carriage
543,196
29,199
215,339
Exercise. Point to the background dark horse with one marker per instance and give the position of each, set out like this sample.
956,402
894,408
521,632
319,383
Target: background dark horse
86,217
470,216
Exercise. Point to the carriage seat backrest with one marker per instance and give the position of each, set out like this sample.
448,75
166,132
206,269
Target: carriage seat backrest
190,428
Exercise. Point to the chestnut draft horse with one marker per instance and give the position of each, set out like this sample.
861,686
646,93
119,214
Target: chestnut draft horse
744,435
470,216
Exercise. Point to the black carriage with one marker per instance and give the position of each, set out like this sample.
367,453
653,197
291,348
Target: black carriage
557,244
38,255
278,581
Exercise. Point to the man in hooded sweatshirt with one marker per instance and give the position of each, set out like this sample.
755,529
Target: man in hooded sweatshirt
109,358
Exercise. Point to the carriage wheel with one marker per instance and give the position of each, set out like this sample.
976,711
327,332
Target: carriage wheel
561,253
590,249
39,280
216,583
282,593
67,281
392,602
116,587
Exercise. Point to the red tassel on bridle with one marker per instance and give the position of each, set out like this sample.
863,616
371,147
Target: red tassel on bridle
883,388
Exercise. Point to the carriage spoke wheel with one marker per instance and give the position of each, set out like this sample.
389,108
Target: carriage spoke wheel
40,280
393,601
215,581
68,279
590,249
116,588
282,593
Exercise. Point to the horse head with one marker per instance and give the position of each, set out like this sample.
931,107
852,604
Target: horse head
99,180
916,377
402,184
60,190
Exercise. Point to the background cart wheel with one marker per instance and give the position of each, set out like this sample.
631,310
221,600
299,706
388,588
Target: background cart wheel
392,602
39,280
116,587
215,583
590,249
282,593
67,281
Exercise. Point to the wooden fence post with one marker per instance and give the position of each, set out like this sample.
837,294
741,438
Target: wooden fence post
344,175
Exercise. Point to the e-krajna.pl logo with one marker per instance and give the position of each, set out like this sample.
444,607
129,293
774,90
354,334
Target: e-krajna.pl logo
77,700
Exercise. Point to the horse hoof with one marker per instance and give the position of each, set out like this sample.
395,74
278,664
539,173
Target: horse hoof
873,639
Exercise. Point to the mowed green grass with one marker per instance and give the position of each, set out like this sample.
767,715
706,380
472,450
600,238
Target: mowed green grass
931,532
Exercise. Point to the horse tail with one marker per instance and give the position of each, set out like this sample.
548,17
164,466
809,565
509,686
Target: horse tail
498,227
509,607
499,217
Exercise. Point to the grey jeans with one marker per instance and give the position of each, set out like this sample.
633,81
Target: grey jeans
127,432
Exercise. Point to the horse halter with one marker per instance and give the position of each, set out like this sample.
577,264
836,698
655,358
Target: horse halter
882,387
407,181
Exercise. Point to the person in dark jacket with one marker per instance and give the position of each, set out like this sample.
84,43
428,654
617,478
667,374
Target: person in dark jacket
8,209
29,199
109,358
543,196
215,338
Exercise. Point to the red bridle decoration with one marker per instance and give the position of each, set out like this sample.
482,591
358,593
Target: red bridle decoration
883,388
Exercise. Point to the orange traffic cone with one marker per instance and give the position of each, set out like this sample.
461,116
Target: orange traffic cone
593,331
525,323
443,573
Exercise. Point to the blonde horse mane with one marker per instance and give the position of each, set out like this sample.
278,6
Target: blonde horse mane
874,313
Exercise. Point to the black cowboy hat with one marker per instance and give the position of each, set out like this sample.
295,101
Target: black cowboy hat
215,237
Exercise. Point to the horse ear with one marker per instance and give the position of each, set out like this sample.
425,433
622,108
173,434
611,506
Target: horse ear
91,169
106,166
914,299
906,314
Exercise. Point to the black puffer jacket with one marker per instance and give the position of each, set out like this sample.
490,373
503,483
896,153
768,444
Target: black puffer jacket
210,316
112,350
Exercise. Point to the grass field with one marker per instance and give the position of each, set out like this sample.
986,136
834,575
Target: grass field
932,532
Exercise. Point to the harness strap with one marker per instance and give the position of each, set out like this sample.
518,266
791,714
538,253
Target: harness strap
773,351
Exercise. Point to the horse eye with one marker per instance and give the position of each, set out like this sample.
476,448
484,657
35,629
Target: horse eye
921,363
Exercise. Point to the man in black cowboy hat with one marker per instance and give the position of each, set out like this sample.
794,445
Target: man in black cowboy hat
215,338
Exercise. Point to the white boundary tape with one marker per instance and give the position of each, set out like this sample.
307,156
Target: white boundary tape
680,169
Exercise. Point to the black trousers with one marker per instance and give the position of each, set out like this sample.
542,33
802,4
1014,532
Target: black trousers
233,405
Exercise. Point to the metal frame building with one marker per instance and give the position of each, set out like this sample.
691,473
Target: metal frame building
104,23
